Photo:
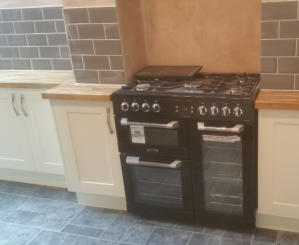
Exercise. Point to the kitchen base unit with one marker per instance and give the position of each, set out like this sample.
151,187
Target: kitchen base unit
89,148
29,146
278,170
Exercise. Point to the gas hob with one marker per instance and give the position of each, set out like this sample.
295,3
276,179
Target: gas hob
228,97
204,84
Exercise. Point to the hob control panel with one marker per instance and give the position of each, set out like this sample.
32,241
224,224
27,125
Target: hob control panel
205,109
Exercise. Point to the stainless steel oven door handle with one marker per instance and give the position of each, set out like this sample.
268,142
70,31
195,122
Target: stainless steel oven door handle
170,125
236,129
133,160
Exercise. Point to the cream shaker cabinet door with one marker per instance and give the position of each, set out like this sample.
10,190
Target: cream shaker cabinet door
15,151
43,135
279,163
89,146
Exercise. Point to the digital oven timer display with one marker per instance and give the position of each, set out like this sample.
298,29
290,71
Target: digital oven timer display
185,109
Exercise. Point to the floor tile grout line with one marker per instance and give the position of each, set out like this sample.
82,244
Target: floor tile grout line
75,216
34,237
149,238
190,238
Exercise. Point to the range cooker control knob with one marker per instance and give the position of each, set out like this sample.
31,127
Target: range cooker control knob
156,108
124,106
145,107
202,110
238,112
214,110
135,106
225,111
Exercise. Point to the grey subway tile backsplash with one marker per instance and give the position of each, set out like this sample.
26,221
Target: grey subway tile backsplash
61,64
278,47
45,26
24,27
37,39
288,65
29,52
84,76
103,15
279,10
91,31
21,64
33,38
5,64
96,62
72,32
289,29
64,52
57,39
11,14
60,26
32,14
76,15
16,40
95,44
9,52
107,47
3,41
49,52
6,28
111,31
280,35
52,13
81,47
277,81
41,64
111,76
270,29
297,82
269,65
77,62
116,62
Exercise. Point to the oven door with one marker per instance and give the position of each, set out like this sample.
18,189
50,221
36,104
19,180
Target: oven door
151,136
222,161
159,187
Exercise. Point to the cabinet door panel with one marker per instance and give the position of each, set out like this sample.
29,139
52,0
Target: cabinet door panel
89,149
279,163
44,139
15,152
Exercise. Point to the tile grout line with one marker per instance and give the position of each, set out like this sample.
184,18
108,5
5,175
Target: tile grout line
69,222
34,237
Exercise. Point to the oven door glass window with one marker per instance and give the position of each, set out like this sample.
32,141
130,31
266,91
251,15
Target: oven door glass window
223,174
158,186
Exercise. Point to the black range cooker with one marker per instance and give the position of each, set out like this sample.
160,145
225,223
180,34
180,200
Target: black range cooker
188,145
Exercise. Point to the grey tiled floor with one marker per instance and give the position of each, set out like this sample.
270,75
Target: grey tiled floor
35,215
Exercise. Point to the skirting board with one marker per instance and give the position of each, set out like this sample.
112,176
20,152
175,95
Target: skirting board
100,201
33,178
277,223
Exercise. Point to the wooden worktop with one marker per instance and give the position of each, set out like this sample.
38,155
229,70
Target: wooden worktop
34,79
98,92
277,100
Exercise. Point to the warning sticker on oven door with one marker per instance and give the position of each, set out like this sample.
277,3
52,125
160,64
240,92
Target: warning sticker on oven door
219,138
137,134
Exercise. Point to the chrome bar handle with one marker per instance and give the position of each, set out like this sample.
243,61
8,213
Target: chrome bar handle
13,102
108,113
22,105
134,160
236,129
170,125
